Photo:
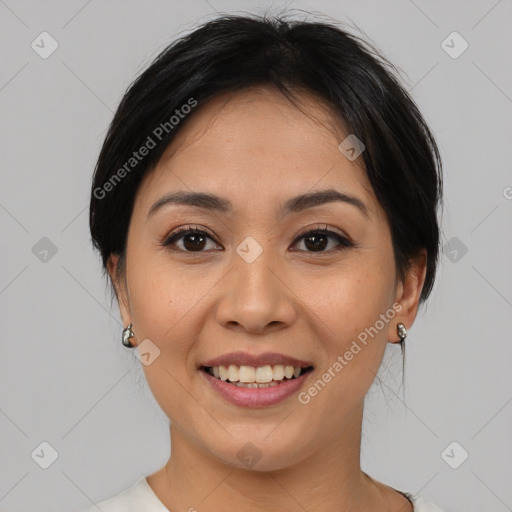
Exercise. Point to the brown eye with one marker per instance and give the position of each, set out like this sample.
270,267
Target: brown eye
318,240
195,240
192,240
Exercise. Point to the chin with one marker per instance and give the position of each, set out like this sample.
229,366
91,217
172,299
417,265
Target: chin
260,454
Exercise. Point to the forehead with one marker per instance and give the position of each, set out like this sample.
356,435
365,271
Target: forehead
257,120
257,143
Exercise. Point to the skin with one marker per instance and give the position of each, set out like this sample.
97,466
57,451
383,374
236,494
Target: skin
257,149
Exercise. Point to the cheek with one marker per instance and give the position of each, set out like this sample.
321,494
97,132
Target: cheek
163,316
353,339
350,323
163,296
165,304
352,299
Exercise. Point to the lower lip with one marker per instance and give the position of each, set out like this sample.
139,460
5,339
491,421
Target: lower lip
256,397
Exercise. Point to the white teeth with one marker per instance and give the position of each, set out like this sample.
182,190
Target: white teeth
246,374
250,376
264,374
288,372
278,372
255,384
233,373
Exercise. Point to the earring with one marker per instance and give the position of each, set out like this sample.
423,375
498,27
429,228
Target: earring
402,332
127,334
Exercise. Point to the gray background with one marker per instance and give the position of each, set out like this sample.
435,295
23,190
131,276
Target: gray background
66,380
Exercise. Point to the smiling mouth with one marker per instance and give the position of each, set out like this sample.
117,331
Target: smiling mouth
256,377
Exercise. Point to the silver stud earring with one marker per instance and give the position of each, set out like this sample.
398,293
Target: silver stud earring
127,334
402,332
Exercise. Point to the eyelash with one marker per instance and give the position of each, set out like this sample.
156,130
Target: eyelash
343,242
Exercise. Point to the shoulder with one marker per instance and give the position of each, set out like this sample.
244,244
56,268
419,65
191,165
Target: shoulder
421,504
136,498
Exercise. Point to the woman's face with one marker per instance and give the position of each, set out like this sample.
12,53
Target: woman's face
253,283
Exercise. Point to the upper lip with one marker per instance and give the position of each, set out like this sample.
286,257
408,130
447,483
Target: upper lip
245,359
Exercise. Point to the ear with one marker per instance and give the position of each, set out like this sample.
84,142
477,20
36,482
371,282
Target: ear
408,294
120,289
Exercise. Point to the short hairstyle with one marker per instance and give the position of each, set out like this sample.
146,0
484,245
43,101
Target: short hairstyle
232,53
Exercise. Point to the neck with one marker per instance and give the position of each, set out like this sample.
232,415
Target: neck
328,478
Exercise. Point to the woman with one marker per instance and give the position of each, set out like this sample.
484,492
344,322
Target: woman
265,205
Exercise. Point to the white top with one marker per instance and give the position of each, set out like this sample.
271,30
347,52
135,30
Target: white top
140,498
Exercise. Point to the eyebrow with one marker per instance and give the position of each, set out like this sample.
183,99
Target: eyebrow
294,205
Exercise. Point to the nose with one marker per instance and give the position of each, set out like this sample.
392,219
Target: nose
256,297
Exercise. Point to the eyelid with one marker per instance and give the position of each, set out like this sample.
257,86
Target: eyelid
343,239
321,228
180,231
